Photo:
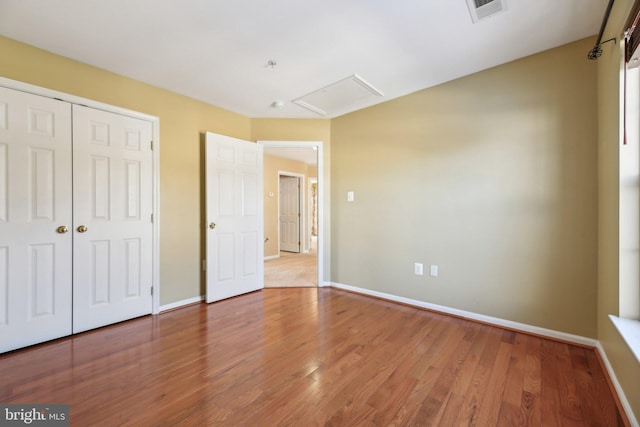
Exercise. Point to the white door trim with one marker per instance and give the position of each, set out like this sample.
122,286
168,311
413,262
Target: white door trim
48,93
301,207
318,146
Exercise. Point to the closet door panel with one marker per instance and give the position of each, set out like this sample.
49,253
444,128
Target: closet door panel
35,219
112,218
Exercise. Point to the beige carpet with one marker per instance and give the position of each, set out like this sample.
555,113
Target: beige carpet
291,270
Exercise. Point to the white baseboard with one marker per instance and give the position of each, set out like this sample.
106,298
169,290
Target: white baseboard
623,399
550,333
182,303
267,258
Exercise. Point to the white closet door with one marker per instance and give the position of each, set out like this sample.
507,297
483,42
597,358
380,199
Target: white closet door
113,231
35,208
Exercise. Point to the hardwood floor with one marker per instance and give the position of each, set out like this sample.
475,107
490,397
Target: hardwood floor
306,357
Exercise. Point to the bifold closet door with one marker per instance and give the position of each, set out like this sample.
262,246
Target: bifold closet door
113,230
35,219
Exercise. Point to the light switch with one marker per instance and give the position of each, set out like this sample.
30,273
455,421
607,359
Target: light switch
350,196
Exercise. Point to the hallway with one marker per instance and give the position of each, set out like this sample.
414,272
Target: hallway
292,270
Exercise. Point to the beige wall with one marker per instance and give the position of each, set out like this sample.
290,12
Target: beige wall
624,364
272,167
491,177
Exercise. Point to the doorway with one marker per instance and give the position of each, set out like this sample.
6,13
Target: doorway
305,264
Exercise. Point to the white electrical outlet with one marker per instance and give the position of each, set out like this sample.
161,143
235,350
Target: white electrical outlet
350,196
433,271
418,269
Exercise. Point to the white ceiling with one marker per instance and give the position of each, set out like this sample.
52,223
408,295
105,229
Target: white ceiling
218,51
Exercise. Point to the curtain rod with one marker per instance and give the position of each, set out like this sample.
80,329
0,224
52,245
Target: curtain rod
596,52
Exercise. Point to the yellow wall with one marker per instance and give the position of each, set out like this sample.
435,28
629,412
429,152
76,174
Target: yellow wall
491,177
181,121
292,130
609,85
272,167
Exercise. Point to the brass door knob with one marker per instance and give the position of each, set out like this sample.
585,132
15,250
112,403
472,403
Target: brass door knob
82,229
62,229
212,225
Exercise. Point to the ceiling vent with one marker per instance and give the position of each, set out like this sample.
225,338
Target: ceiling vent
481,9
339,97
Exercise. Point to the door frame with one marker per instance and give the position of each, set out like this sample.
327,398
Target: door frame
48,93
301,209
318,146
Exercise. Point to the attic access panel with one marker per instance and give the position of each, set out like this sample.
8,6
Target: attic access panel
480,9
339,96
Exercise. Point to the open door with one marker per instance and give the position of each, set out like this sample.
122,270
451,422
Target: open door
234,236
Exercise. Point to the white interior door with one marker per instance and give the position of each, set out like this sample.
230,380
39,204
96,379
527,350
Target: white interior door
234,236
113,230
35,216
289,203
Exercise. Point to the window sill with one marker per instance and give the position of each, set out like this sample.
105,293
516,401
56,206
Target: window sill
630,331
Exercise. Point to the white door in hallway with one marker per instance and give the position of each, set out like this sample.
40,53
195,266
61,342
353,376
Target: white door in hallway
113,229
35,219
234,227
289,206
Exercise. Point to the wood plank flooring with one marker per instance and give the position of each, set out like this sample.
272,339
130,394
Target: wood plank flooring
311,357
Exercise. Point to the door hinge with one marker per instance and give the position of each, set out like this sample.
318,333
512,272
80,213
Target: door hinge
152,218
151,144
151,290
